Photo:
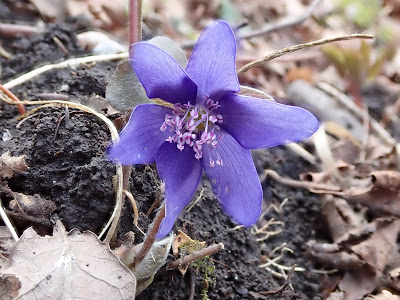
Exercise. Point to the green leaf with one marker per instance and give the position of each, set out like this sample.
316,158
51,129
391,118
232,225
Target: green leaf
172,48
124,90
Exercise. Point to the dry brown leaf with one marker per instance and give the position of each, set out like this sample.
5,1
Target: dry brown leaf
364,255
382,194
341,218
68,266
51,9
376,250
180,239
356,284
6,240
32,205
11,164
384,295
9,286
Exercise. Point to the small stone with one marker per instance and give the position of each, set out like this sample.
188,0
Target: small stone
242,291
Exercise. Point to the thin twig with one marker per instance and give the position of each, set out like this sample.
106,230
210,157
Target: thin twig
11,30
286,283
299,184
192,285
272,27
69,63
7,222
349,104
196,255
294,48
281,24
151,236
135,210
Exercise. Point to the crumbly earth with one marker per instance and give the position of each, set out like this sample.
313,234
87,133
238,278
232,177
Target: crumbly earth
67,161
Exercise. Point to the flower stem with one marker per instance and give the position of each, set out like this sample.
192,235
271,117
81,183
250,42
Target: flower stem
151,236
135,21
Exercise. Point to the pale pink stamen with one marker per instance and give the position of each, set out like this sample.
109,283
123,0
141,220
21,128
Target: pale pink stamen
195,126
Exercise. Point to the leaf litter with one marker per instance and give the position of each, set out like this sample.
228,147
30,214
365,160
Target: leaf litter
69,266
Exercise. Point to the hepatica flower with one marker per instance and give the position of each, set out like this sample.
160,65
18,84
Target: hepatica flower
210,126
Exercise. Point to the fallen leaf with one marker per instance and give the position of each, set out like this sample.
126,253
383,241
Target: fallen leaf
6,240
9,286
384,295
68,266
11,164
382,193
32,205
358,283
51,9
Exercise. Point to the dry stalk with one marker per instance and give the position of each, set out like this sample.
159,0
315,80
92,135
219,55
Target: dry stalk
7,222
196,255
294,48
69,63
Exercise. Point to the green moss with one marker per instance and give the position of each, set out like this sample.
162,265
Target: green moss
204,265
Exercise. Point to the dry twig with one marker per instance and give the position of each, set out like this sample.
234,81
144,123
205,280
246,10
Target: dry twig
196,255
294,48
281,24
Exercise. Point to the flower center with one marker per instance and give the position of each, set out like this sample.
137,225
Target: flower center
195,126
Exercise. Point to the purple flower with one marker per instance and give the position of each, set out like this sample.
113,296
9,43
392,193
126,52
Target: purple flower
210,127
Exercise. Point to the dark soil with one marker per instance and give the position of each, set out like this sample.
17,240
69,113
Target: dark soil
68,165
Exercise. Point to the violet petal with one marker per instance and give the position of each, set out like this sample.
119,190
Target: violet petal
141,138
212,63
258,123
161,76
181,172
236,182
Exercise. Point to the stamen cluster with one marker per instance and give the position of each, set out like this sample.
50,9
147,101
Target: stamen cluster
195,126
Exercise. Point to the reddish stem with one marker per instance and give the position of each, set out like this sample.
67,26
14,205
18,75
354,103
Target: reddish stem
151,236
10,95
135,21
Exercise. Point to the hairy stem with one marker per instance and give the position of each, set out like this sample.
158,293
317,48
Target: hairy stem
151,236
135,21
259,62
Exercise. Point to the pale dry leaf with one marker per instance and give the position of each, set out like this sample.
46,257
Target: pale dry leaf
51,9
68,266
384,295
11,164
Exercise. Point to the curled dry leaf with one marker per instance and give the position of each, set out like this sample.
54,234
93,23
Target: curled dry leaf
68,266
11,164
382,194
32,205
363,256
